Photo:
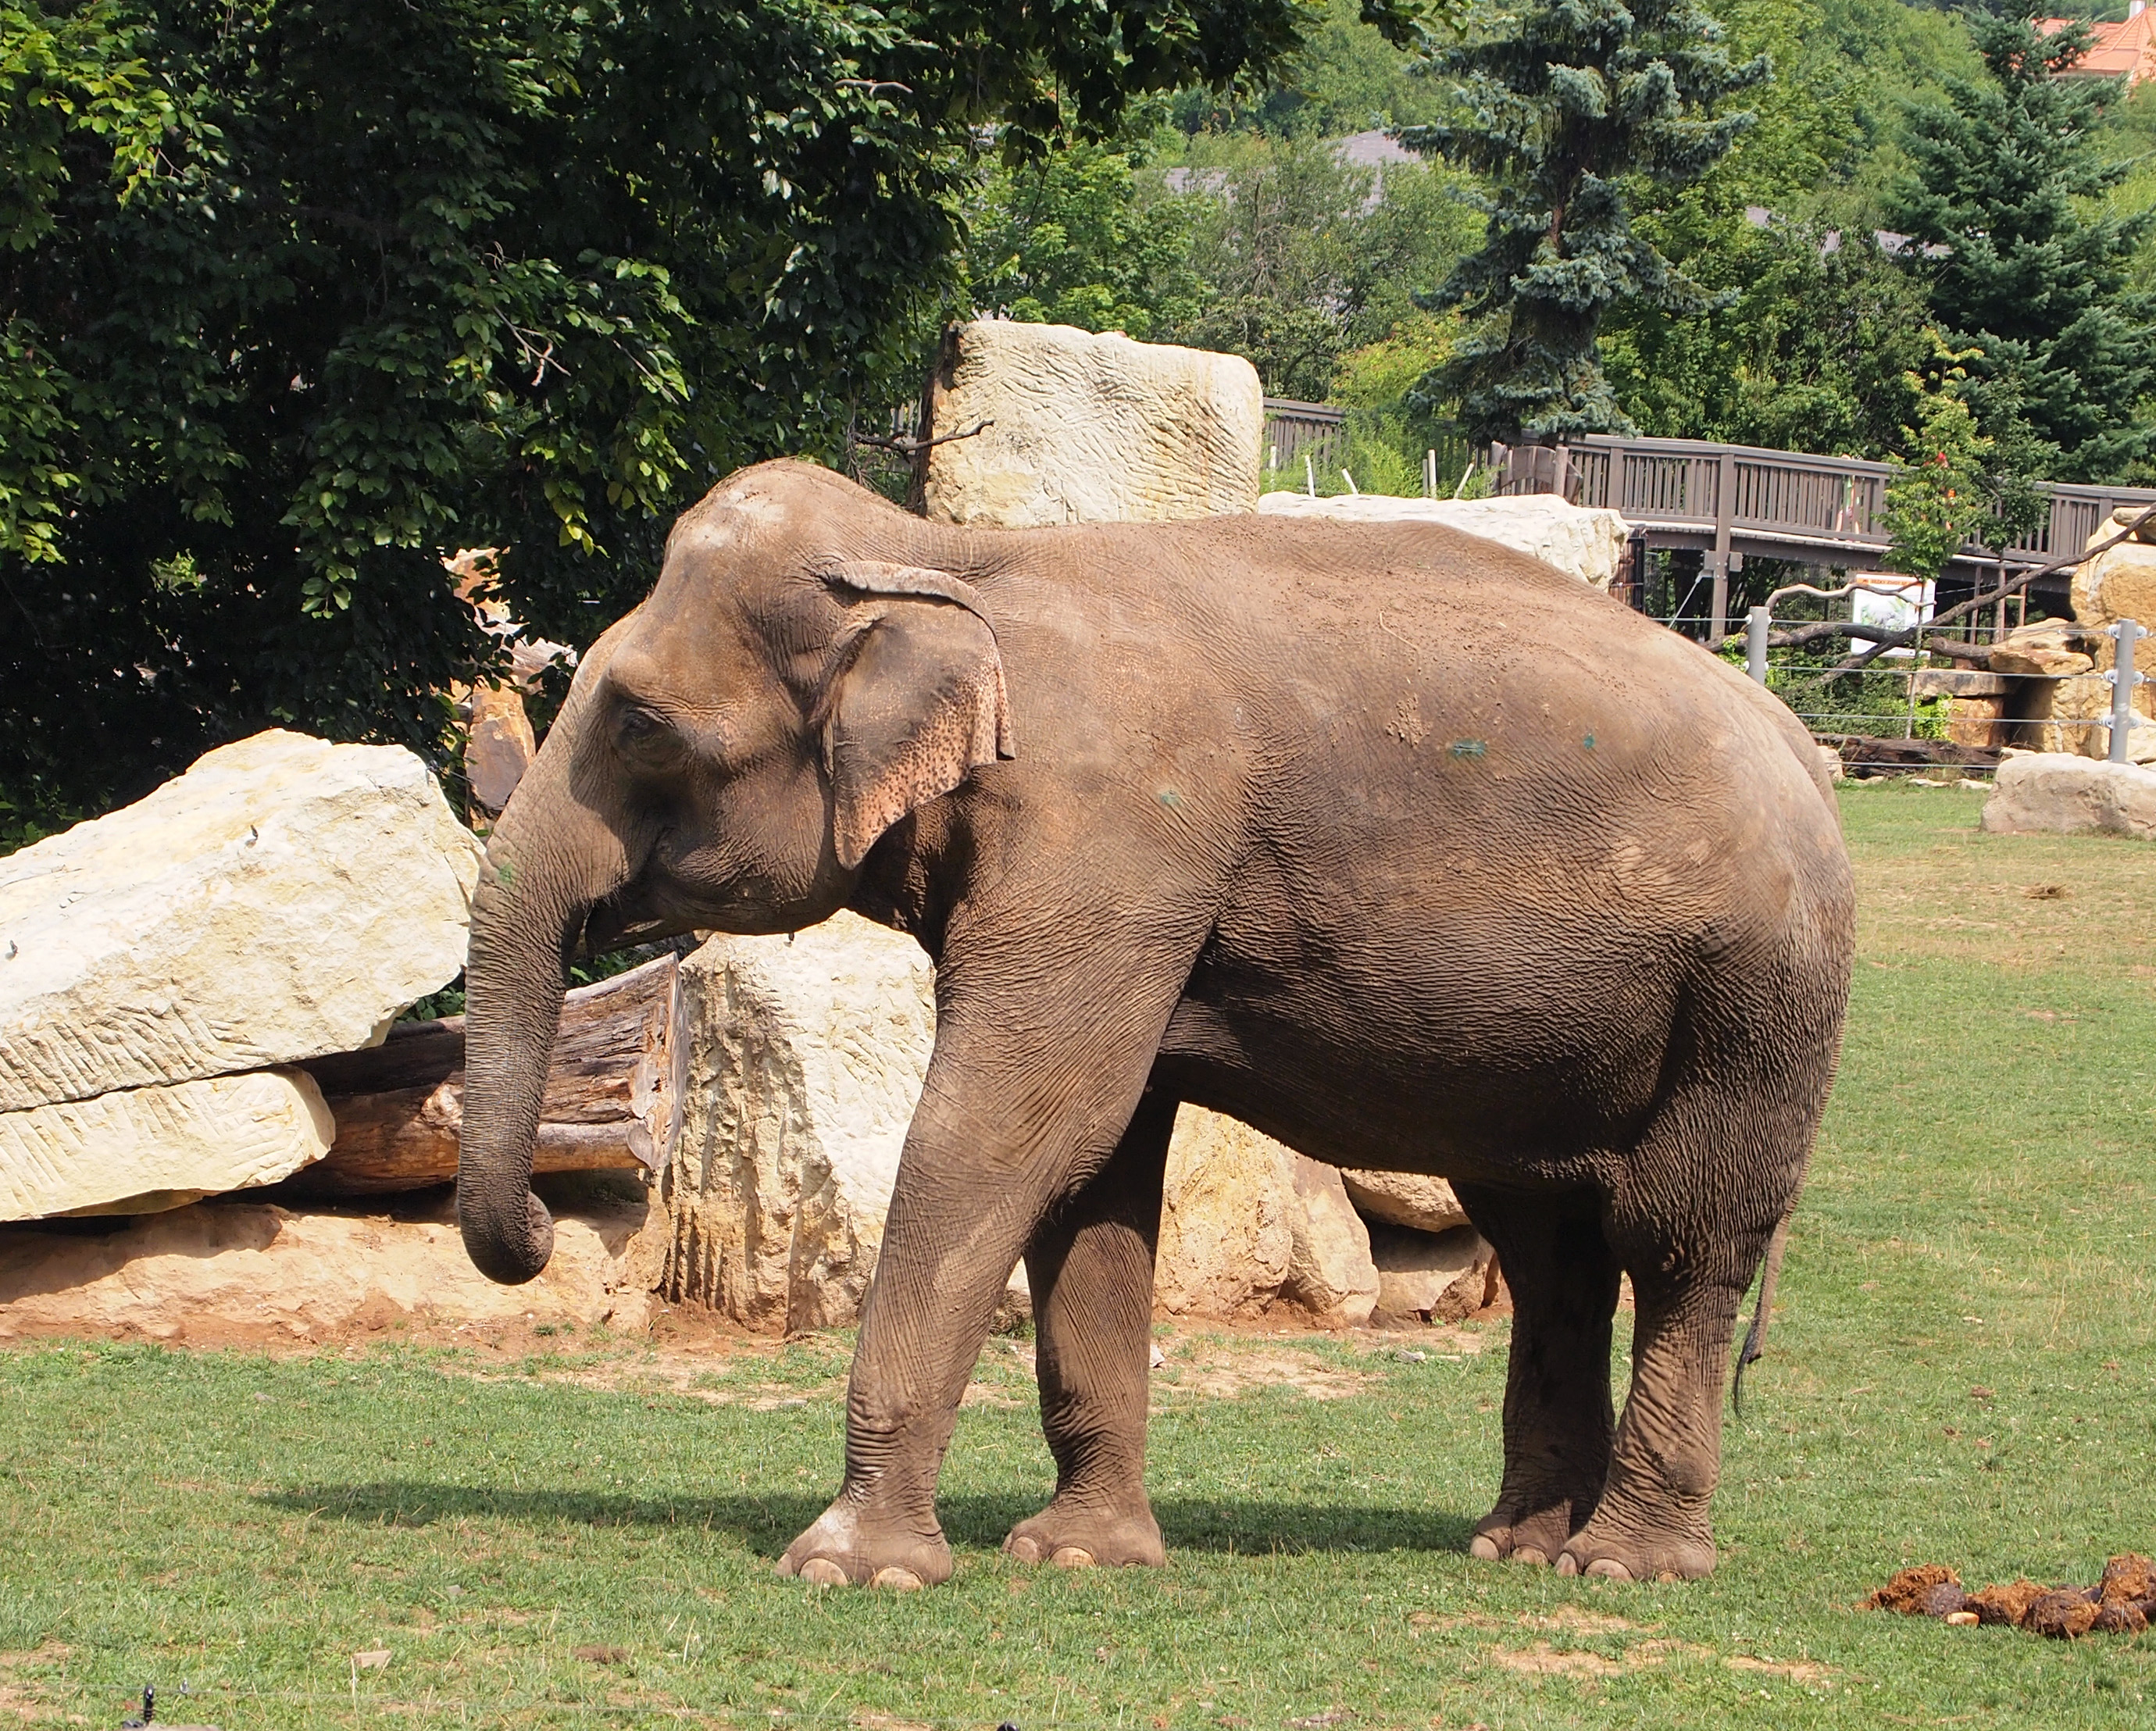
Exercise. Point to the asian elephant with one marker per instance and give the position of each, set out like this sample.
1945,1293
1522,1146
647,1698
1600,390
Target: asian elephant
1401,847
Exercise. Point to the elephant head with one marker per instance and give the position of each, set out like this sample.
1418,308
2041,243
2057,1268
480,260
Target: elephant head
802,677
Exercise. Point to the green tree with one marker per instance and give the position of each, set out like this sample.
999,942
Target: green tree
2001,177
1563,109
300,295
1070,238
1809,346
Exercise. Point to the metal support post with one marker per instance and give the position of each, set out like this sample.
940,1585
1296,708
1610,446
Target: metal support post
1756,625
1725,504
2123,679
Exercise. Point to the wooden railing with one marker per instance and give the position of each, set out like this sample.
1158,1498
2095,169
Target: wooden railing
1741,500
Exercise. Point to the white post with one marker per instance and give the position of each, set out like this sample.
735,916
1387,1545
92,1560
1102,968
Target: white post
1309,474
1756,625
2123,679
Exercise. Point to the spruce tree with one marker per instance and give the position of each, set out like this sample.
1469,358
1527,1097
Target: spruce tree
1558,110
2066,346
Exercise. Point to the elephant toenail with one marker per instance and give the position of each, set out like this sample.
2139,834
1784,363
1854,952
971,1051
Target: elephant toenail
1529,1553
1483,1548
1023,1550
896,1580
1567,1564
823,1572
1669,1574
1606,1566
1072,1556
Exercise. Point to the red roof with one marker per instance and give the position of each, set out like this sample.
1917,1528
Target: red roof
2120,50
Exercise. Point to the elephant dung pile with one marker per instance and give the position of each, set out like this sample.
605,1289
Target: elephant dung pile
2123,1602
164,967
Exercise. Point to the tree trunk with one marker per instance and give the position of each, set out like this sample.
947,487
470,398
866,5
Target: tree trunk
609,1098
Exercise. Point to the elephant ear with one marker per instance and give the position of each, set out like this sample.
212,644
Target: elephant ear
918,702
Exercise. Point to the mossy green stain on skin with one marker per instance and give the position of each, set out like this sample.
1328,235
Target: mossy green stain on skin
1466,748
1169,798
1588,743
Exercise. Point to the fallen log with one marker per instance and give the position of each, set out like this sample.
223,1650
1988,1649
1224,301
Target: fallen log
608,1105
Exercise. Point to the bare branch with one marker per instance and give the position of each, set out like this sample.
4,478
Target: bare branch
914,447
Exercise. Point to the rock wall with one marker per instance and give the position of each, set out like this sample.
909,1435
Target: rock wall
1087,429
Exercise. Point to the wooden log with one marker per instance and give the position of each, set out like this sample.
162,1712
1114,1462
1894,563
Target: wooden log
609,1099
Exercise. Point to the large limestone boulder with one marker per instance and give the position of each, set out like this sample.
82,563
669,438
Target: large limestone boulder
1086,428
140,1150
2051,649
1405,1198
2120,584
803,1058
1228,1221
2054,794
1581,541
1329,1271
1438,1277
284,899
237,1273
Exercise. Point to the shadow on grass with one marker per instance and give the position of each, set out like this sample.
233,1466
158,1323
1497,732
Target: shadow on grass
767,1521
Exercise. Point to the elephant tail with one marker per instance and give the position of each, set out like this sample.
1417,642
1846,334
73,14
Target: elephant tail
1755,1337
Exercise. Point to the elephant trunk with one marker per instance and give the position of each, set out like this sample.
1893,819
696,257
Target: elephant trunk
541,877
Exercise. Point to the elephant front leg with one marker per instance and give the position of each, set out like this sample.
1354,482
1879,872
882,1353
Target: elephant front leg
1558,1419
1090,1268
1022,1108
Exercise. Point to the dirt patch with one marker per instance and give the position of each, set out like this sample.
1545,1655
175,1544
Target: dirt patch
1220,1375
1421,1620
1544,1660
1797,1671
20,1698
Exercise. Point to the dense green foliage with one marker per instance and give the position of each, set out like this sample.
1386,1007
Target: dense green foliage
1998,174
299,295
1561,108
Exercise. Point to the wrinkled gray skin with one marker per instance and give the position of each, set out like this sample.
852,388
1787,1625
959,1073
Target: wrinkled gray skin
1400,846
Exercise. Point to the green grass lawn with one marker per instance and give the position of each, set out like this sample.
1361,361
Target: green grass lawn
1962,1370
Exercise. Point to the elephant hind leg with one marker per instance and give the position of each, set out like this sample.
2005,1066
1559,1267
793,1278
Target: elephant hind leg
1702,1195
1091,1266
1559,1423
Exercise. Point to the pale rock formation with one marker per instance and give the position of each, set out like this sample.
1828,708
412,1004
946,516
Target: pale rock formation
803,1058
1329,1271
1088,428
2073,715
2048,650
1228,1223
2120,584
1441,1275
242,1273
140,1150
1405,1198
284,899
2050,793
1581,541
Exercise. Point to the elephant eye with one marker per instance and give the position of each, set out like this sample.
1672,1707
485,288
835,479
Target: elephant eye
643,732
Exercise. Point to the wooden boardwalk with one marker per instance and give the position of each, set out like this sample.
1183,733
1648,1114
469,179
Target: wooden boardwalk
1731,502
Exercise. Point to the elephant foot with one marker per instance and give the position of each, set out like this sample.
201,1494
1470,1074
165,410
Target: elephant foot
1621,1552
1073,1536
1528,1530
849,1545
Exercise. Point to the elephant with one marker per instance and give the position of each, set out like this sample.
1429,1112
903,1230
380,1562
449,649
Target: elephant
1403,848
